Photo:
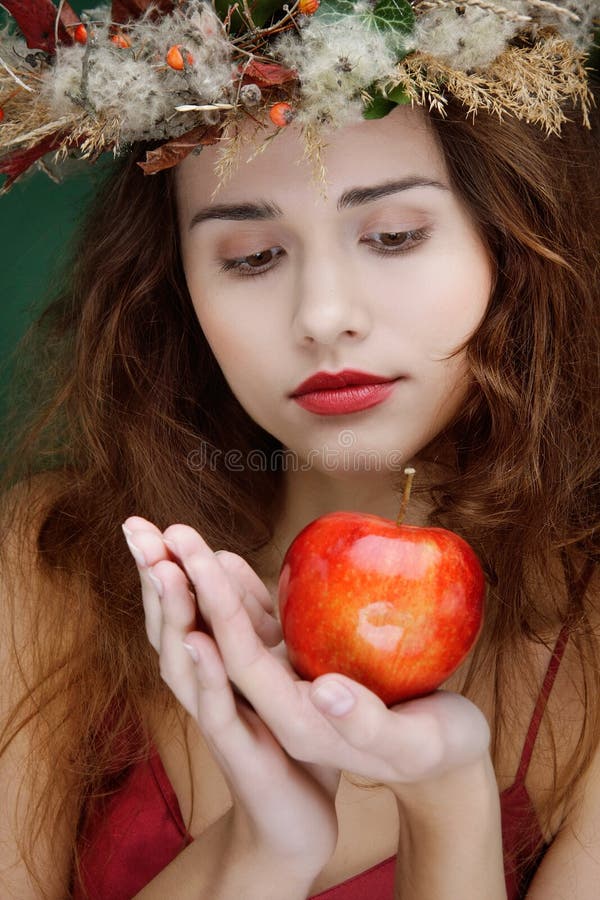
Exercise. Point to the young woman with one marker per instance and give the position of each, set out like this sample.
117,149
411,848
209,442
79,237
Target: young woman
155,741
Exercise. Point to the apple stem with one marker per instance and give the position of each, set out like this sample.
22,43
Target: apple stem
410,474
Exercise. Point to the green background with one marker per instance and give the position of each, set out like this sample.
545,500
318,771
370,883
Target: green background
37,221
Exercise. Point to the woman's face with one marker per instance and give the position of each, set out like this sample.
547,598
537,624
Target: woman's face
387,275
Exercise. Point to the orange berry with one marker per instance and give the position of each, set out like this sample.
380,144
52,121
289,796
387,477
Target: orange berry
281,114
80,34
121,40
308,7
176,60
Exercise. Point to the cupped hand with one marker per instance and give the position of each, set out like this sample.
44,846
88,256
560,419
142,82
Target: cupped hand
281,806
333,722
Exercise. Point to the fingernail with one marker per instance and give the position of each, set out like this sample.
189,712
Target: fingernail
192,651
170,545
158,585
333,699
135,552
127,531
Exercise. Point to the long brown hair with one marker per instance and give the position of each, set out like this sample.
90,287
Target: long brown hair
129,399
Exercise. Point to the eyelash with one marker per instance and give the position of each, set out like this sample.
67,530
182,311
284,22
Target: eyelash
236,266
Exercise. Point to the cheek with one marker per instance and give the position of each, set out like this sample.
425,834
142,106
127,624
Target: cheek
240,350
454,302
223,341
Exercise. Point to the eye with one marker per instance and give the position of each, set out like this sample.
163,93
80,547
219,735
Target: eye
254,264
391,242
386,243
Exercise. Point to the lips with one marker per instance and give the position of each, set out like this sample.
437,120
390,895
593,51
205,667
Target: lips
327,381
345,400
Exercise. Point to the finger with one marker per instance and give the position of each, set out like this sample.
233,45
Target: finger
258,674
216,710
238,568
256,597
138,523
224,719
418,739
266,785
183,540
178,619
266,626
147,548
327,776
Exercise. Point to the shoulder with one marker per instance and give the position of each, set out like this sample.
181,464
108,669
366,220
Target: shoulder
574,854
572,863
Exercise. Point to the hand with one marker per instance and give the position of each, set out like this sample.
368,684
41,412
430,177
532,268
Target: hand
334,722
282,807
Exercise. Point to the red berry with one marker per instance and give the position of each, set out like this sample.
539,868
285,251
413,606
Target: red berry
281,114
308,7
1,113
121,40
175,57
80,34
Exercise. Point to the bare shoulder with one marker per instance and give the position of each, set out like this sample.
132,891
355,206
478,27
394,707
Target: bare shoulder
34,838
574,856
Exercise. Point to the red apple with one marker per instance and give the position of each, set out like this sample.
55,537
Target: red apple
395,607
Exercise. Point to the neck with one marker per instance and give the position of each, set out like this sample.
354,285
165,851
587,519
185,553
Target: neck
313,493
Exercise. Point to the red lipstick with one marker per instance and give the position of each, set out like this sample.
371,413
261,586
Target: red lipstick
332,394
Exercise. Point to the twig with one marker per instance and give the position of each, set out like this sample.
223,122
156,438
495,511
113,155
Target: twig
508,14
15,77
553,7
191,107
42,131
57,22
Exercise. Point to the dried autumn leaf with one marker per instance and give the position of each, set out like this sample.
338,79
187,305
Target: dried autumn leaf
36,20
172,152
265,74
125,10
68,17
17,162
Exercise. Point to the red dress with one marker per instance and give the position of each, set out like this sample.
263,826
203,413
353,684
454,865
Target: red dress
140,829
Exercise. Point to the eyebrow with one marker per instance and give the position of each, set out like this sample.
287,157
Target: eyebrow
263,209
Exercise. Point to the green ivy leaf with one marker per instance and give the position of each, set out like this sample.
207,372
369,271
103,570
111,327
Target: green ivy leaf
397,95
382,102
331,11
393,18
391,15
378,107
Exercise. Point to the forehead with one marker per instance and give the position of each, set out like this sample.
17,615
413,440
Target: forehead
402,143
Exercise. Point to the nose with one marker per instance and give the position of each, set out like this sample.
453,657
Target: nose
330,303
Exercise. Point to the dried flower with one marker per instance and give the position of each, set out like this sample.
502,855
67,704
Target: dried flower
331,92
250,95
326,57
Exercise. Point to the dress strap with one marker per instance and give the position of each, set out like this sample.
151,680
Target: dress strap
577,589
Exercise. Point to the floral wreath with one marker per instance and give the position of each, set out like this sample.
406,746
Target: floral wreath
180,74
